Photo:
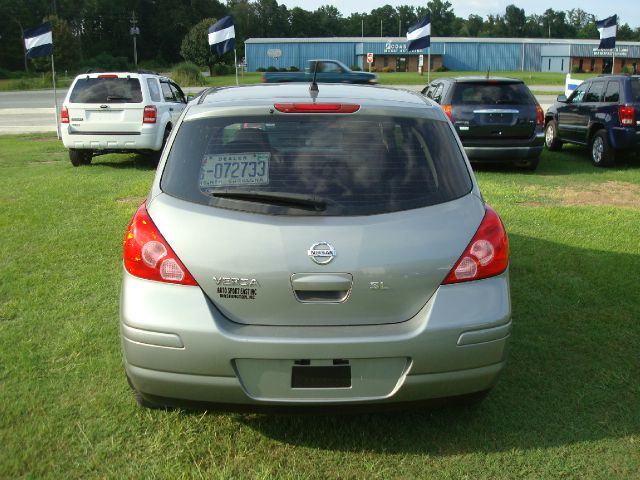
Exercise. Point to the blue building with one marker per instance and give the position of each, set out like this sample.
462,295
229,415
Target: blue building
460,54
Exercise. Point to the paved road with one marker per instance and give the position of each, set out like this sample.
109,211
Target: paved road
33,111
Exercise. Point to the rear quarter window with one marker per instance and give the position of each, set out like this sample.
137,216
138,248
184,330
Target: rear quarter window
106,90
355,165
482,93
635,90
154,89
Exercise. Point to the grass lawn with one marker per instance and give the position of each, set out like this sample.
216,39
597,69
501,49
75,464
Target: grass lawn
567,406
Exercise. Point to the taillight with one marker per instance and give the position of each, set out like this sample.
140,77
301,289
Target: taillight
148,255
317,107
627,115
486,255
150,114
110,75
447,111
539,116
64,115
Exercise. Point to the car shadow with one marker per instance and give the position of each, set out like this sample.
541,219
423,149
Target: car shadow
570,160
134,161
572,374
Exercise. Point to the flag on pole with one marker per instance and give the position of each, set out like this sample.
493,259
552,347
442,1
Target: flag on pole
38,41
222,36
607,29
419,35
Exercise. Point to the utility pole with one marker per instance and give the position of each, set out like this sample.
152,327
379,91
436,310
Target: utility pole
380,28
134,31
362,20
399,29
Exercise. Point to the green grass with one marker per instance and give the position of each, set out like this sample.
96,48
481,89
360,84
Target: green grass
567,406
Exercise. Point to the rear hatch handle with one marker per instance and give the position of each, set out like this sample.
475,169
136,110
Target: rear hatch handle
321,287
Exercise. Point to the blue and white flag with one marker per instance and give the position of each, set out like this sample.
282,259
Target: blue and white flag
607,29
222,36
419,35
38,41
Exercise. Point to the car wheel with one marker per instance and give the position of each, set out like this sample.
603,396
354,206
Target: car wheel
80,157
529,164
551,140
602,154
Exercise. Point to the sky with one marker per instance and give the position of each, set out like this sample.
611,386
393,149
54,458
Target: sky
628,10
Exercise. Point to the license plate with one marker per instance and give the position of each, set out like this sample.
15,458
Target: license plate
336,376
234,169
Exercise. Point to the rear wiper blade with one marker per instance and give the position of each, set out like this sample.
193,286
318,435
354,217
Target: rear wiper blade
297,200
116,97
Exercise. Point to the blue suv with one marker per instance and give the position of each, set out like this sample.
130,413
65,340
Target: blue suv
601,114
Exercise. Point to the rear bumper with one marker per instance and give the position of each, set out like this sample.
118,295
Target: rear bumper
146,139
176,344
505,150
625,138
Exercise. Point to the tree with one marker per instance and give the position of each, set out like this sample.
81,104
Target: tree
195,45
443,20
514,19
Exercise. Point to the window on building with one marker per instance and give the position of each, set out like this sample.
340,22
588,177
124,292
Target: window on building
581,64
386,61
593,64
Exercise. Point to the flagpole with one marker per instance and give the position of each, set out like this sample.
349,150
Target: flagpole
613,64
235,62
429,65
55,96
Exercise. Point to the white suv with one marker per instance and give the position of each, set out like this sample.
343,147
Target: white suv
119,112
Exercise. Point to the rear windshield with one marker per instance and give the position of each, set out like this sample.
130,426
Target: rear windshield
635,90
316,164
482,93
106,90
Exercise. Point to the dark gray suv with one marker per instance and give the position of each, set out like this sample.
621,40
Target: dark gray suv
497,119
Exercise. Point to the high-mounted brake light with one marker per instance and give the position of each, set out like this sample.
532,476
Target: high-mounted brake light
627,114
487,254
148,255
108,76
539,115
150,114
447,111
64,115
317,107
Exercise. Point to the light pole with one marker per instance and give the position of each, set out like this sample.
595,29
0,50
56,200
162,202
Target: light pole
134,31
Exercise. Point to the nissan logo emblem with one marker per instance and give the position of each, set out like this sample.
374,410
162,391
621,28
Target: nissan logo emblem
322,253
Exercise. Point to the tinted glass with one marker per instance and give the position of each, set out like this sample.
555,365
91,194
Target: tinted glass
154,90
177,93
106,90
612,93
635,90
595,92
483,93
167,93
355,165
578,94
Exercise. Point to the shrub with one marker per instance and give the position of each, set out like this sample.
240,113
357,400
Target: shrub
627,69
4,73
441,69
387,69
576,69
106,62
272,69
293,68
374,69
188,74
261,69
222,69
355,68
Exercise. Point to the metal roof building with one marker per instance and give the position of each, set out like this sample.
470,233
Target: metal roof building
459,54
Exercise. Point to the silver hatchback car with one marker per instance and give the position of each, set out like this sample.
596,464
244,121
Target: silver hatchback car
313,248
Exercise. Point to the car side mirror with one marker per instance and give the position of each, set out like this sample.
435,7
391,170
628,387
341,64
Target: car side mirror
562,98
189,97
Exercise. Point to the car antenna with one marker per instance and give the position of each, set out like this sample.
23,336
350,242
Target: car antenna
313,88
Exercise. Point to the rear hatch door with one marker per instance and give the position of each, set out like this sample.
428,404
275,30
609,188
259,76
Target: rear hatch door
491,110
106,104
259,269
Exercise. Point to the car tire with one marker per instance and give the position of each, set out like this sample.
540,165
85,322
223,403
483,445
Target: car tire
141,400
80,157
529,164
602,153
551,140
